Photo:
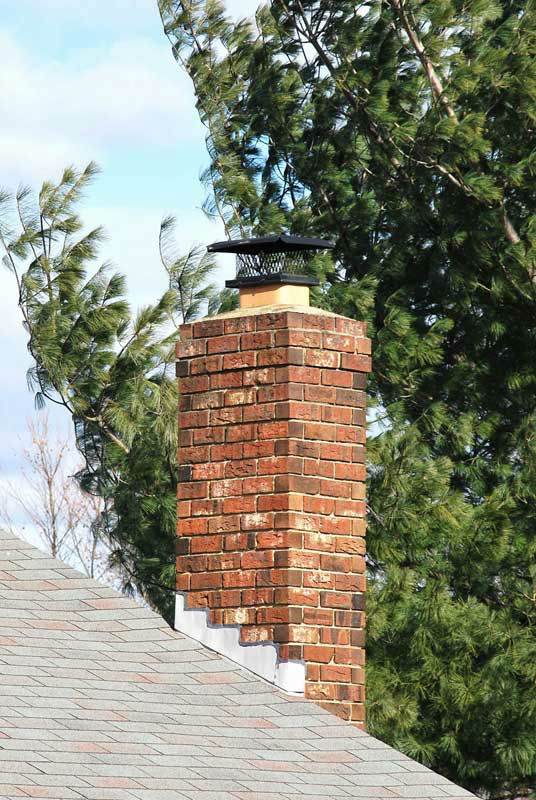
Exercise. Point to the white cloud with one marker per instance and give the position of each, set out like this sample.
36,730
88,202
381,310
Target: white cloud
129,95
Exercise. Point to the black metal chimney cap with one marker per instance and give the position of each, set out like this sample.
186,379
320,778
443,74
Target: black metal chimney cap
266,260
277,243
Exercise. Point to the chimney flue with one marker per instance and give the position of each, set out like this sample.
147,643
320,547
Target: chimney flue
272,270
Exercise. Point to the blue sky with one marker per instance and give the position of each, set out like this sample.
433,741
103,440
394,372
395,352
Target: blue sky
96,80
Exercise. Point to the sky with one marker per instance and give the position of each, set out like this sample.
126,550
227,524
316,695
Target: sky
96,80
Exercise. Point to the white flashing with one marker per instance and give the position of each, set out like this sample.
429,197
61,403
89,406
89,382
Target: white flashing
261,658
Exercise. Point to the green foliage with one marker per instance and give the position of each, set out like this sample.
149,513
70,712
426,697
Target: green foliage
404,130
112,370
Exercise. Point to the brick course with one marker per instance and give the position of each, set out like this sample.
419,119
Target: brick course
271,497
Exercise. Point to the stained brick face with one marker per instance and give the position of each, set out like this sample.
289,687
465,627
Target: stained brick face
271,508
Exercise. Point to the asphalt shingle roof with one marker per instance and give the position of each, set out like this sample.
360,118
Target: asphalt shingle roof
99,699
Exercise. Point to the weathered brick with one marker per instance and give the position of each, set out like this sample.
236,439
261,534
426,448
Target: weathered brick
208,328
272,486
239,360
339,341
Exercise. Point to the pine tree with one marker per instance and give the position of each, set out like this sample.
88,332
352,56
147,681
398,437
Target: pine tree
111,369
404,130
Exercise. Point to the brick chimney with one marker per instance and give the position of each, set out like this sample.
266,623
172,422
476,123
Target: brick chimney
271,497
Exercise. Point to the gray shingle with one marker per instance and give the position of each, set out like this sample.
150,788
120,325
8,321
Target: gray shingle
100,700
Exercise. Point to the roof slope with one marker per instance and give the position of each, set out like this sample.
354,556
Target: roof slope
99,699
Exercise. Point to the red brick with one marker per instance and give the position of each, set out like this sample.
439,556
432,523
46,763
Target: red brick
319,394
299,338
318,505
223,561
318,653
280,392
239,360
199,366
193,419
279,577
226,380
240,579
293,409
295,633
347,433
207,400
295,374
240,468
351,472
318,580
208,435
350,397
303,484
208,580
192,563
193,527
335,488
239,616
275,541
182,583
223,344
240,433
259,413
336,452
323,469
256,521
258,560
322,358
226,598
337,525
191,349
238,505
225,452
363,345
226,416
296,558
338,341
206,544
323,322
279,319
359,363
257,597
258,377
236,541
224,524
230,487
332,377
335,600
338,674
298,596
280,465
349,508
207,471
256,633
320,431
355,327
199,383
279,539
259,449
257,341
208,328
280,614
239,324
280,502
337,636
323,617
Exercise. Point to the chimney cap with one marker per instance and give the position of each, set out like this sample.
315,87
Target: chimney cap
276,243
276,259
